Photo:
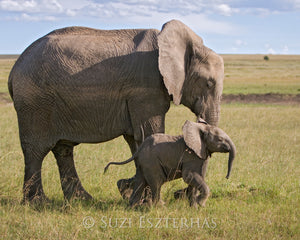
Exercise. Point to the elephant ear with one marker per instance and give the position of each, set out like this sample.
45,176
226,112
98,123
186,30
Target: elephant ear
192,137
175,43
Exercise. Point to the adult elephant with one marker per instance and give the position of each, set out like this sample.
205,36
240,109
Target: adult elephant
81,85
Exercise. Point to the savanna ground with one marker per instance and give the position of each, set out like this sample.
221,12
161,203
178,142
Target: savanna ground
261,200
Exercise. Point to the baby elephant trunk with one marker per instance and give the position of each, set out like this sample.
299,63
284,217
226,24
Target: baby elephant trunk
231,157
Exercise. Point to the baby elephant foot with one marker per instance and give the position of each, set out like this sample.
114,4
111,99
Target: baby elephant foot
194,204
125,188
180,194
202,200
202,203
147,202
161,203
136,203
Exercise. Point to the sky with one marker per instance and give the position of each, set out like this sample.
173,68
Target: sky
228,26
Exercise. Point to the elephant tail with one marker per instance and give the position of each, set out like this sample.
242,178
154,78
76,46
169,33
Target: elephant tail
120,163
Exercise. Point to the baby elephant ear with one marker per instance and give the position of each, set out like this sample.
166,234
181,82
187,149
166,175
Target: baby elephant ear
192,138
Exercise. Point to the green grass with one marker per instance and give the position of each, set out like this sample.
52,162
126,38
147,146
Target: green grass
252,74
259,201
5,67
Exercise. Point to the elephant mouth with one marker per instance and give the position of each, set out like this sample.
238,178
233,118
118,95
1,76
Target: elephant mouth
197,109
225,147
206,109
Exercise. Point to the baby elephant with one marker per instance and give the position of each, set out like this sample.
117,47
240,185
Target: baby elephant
162,158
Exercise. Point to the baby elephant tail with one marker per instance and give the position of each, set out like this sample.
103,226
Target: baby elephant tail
119,163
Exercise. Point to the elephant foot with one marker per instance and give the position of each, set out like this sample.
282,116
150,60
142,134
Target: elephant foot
180,194
161,203
78,195
33,193
194,205
76,192
202,201
125,187
37,199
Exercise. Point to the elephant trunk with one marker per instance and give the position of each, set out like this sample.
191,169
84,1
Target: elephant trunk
231,157
212,115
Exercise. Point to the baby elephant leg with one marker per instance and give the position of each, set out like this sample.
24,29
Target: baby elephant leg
191,193
155,191
136,197
155,181
196,181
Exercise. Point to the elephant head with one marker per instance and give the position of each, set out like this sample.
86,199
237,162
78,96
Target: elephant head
192,73
205,139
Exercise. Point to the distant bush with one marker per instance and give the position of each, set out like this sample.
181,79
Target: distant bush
266,58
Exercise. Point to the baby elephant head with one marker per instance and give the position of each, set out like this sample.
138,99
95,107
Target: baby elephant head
205,139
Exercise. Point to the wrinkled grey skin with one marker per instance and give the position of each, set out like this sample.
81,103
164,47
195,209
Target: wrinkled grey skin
163,158
81,85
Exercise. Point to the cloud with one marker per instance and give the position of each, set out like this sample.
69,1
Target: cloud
200,15
18,6
271,51
265,7
31,6
239,43
277,50
225,9
285,49
69,8
34,18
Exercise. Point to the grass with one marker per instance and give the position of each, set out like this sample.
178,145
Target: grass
252,74
5,67
259,201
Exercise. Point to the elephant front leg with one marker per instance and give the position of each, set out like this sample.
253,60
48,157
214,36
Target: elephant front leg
191,193
182,193
70,182
204,194
197,182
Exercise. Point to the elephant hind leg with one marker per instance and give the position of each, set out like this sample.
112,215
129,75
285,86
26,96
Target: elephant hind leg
155,182
33,157
155,191
69,179
137,196
125,186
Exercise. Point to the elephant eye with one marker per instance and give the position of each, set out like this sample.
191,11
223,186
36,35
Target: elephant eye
210,83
